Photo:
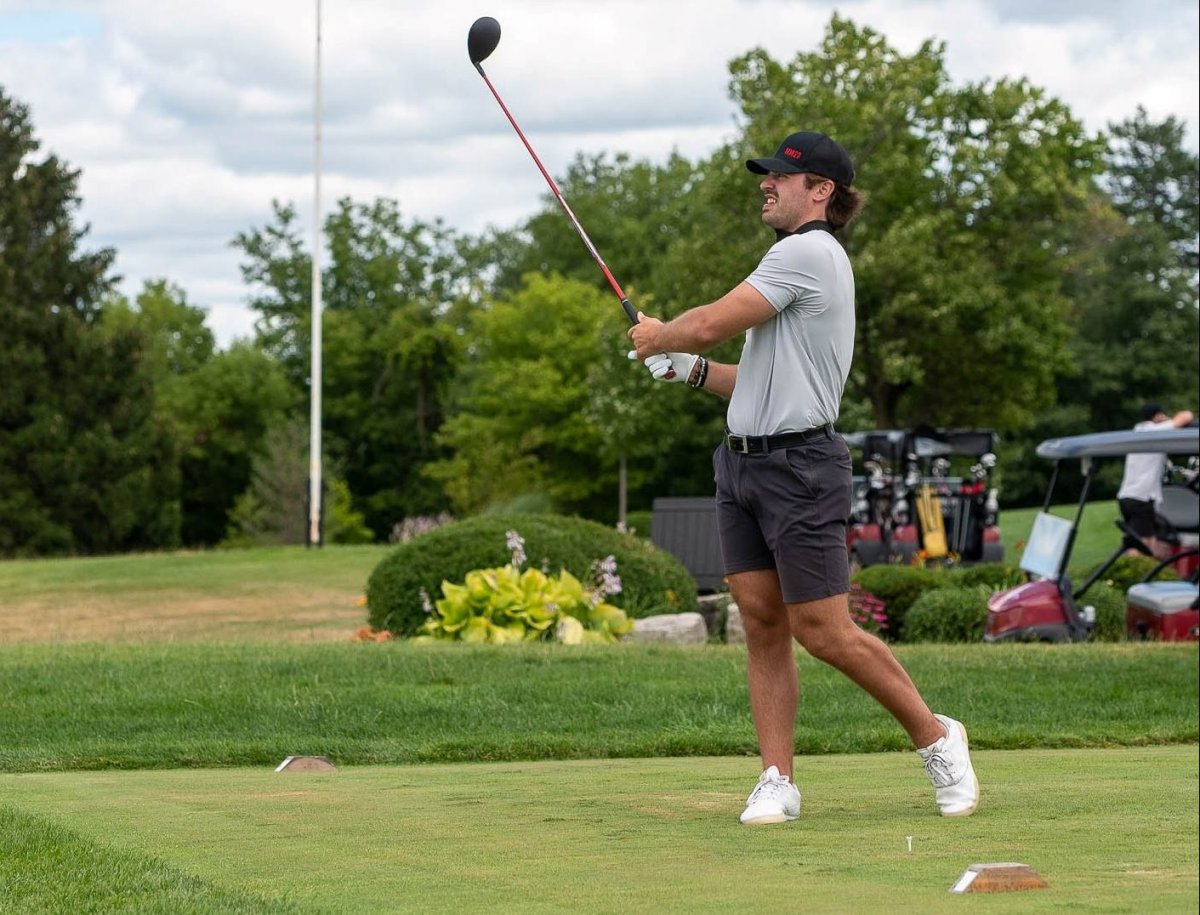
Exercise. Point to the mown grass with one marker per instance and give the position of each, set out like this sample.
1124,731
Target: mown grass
539,778
213,571
1109,830
162,706
48,867
268,594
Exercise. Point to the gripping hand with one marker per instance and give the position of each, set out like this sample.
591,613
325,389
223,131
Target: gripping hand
669,366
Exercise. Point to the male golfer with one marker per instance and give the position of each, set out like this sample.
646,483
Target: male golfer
783,474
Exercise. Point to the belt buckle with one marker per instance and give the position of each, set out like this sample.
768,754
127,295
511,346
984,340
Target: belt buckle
739,444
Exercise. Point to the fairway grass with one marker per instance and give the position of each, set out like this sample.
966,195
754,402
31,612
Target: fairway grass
203,706
1110,830
539,778
269,594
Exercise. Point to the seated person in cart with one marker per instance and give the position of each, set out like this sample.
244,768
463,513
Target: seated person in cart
1141,487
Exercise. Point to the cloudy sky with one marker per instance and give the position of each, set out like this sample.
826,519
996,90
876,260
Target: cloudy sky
187,120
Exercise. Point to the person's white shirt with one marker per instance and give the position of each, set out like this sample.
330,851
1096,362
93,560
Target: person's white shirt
1143,479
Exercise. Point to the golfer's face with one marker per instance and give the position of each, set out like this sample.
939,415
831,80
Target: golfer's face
787,200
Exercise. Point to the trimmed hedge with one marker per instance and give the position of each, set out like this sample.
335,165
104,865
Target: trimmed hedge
1129,570
897,586
934,604
653,581
1109,602
994,576
952,614
638,522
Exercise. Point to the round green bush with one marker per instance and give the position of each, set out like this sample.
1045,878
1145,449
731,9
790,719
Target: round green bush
995,576
638,522
897,586
1129,570
652,580
952,614
1110,609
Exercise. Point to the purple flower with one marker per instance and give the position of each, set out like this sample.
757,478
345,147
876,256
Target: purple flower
516,544
606,577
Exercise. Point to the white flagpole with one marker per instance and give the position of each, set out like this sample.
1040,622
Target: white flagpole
314,444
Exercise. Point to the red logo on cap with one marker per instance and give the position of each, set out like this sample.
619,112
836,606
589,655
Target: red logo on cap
792,153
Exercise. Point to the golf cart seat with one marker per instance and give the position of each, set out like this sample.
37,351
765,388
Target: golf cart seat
1180,509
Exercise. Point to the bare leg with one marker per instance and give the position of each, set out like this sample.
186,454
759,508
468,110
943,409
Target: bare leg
770,666
1160,549
827,632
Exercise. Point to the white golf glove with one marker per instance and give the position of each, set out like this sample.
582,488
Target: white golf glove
661,363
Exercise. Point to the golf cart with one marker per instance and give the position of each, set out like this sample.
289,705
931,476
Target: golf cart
906,501
1046,608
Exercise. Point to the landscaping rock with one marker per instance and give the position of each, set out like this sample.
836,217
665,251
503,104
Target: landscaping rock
735,632
672,628
712,608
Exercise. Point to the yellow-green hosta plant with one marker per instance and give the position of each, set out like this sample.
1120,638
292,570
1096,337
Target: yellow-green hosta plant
507,604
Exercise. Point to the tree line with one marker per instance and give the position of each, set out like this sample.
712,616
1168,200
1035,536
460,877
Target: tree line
1014,272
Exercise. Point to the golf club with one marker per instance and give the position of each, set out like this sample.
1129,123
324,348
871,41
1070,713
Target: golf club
481,42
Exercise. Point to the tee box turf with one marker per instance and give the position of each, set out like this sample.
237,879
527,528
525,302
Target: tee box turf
306,764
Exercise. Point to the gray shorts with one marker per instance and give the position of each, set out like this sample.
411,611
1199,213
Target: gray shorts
786,510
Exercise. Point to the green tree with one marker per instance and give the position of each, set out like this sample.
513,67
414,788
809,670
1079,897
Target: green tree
632,211
179,340
975,197
273,509
1153,178
221,416
542,404
640,216
390,292
1134,285
217,404
85,465
1139,307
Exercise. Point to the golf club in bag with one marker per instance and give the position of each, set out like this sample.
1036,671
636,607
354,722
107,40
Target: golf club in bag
482,40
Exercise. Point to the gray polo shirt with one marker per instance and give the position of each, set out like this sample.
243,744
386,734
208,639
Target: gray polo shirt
794,366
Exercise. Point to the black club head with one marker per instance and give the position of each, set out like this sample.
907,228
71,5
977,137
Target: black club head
483,38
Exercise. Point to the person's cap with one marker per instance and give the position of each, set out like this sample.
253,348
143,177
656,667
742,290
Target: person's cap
1152,409
808,151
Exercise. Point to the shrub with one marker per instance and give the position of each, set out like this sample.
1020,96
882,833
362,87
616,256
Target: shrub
1109,602
1129,570
953,614
897,586
995,576
408,528
508,605
534,502
639,523
653,581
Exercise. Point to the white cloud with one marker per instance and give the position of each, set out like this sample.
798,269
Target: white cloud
186,121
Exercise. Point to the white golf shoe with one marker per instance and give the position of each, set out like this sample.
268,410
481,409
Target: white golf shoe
774,800
948,762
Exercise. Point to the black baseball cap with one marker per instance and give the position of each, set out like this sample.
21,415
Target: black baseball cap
1152,409
808,151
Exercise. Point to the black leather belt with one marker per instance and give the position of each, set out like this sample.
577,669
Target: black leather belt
761,444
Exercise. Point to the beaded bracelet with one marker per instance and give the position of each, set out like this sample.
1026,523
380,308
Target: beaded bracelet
701,375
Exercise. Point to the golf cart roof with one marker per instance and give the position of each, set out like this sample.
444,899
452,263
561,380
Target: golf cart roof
1121,443
974,442
924,442
875,440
